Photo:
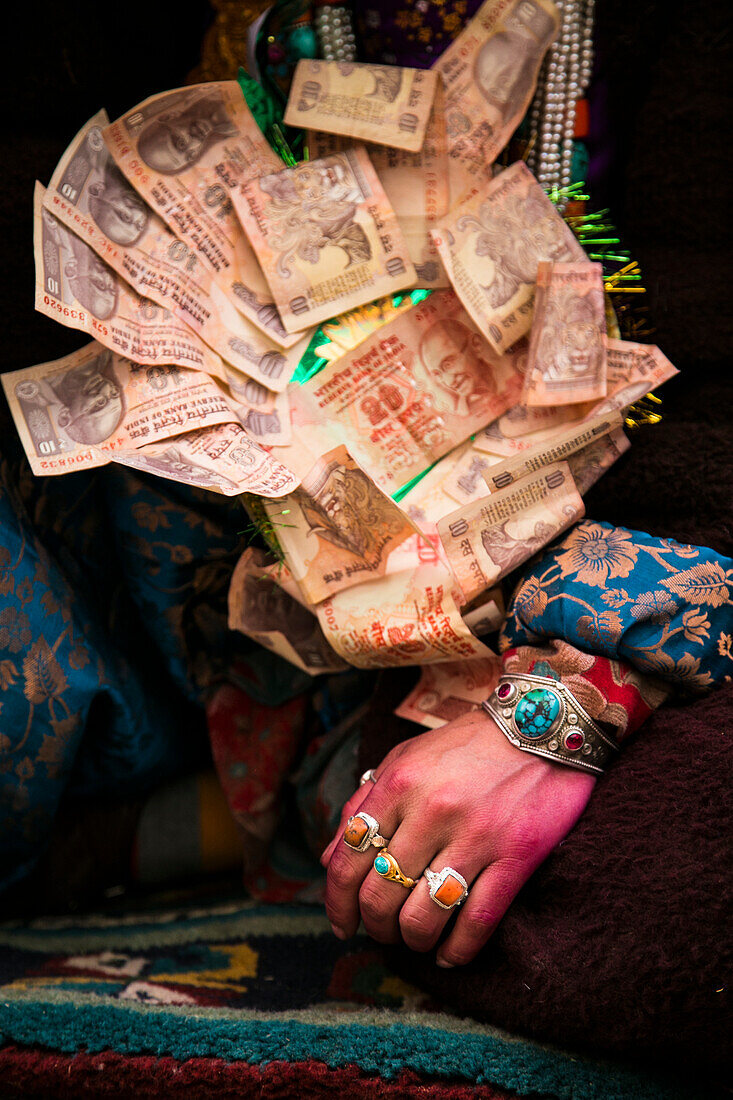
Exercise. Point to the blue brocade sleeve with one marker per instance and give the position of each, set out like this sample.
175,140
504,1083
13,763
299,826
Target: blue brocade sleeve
664,607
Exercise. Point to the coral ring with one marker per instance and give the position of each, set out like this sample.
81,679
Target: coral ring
448,888
362,831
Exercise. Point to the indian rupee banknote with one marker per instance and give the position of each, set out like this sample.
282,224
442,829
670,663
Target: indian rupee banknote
490,74
341,528
565,442
405,618
489,538
466,481
450,690
416,185
74,286
325,235
186,152
90,196
412,391
386,104
591,462
491,246
223,459
566,362
633,370
263,610
75,412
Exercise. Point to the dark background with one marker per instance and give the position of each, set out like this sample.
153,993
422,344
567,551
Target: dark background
665,93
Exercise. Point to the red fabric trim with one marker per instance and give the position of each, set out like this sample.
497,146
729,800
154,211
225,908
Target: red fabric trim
614,688
30,1072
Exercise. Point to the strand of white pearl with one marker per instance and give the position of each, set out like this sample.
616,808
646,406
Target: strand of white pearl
336,33
564,77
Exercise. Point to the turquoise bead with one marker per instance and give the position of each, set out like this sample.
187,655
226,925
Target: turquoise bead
303,43
381,865
536,712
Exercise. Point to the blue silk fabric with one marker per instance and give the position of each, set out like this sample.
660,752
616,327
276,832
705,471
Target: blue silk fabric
665,608
112,627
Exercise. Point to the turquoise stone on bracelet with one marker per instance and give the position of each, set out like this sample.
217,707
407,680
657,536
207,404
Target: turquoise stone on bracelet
536,712
381,865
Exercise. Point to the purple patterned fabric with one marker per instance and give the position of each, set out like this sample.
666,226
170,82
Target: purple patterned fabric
410,32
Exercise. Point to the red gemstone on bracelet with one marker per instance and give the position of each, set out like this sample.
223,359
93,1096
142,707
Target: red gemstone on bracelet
574,741
504,691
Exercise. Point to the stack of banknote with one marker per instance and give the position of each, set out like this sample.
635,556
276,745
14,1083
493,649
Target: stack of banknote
466,390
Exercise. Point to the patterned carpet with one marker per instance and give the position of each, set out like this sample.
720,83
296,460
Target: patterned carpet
251,1001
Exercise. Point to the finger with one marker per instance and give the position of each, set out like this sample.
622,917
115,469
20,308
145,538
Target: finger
422,919
381,899
349,809
347,868
490,897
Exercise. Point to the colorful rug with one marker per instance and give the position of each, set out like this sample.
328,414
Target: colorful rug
251,1001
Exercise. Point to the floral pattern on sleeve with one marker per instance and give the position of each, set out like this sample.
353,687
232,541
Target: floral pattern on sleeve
663,607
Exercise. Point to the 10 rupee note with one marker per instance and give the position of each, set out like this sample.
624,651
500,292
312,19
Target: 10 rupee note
326,237
490,73
263,610
223,459
385,104
74,286
416,185
489,538
491,246
449,690
341,529
91,197
186,152
566,363
75,412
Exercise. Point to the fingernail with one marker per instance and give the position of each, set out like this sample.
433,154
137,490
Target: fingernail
444,963
338,932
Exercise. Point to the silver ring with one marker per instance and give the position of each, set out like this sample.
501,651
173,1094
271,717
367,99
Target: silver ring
362,831
444,887
368,777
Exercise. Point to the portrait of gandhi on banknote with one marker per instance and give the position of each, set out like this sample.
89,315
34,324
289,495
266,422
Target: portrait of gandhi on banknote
313,207
116,207
458,366
516,236
93,284
89,280
343,506
174,131
571,345
266,607
92,404
172,463
103,192
506,66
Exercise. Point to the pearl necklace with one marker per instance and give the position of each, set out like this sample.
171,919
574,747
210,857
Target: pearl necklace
335,33
565,75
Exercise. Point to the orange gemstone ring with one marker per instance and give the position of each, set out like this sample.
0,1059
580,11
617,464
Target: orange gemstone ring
447,887
362,831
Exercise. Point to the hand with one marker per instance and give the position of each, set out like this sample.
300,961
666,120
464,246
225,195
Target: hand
461,796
